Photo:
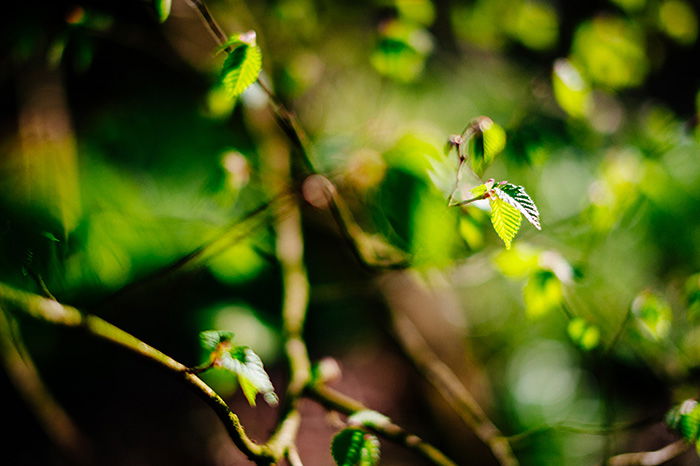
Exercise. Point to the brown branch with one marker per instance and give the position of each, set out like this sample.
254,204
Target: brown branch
51,311
336,401
650,458
441,377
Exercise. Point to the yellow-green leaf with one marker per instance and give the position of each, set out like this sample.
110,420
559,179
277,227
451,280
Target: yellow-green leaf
241,68
162,9
505,219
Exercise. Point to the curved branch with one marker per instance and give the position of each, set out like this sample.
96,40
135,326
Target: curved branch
56,313
336,401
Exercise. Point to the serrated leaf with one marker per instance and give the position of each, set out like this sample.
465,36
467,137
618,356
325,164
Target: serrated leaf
162,9
355,447
251,374
368,418
505,219
517,197
211,339
241,68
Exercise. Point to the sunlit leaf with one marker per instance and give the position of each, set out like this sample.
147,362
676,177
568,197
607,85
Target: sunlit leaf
571,90
471,231
610,51
484,145
685,418
162,9
242,66
517,262
355,447
543,293
518,198
584,334
505,219
652,314
251,374
534,24
420,11
678,20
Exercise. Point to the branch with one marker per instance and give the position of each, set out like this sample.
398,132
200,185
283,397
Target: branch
51,311
441,377
336,401
229,236
650,458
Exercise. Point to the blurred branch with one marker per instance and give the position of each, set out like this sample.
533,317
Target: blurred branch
51,311
229,236
650,458
336,401
24,376
441,377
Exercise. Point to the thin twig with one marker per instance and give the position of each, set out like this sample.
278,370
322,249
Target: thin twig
336,401
650,458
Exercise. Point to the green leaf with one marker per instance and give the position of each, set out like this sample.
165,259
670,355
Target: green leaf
368,418
685,418
543,292
487,140
251,374
211,339
241,68
355,447
162,9
571,91
518,198
652,314
585,335
505,219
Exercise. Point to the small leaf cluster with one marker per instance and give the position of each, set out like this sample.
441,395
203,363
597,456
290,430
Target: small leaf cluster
240,360
477,147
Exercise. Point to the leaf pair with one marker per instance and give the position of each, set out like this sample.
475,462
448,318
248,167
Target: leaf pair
242,361
508,202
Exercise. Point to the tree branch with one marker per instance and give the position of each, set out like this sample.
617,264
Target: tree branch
650,458
51,311
336,401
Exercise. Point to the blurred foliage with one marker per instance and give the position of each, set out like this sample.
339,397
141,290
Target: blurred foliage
124,152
